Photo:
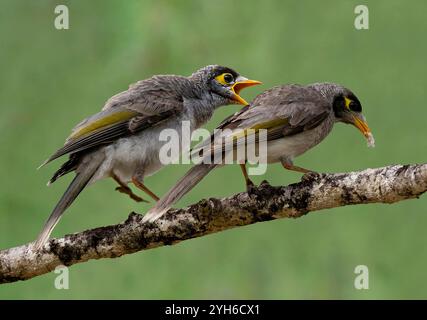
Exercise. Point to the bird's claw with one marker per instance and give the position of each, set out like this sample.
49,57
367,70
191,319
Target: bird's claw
264,183
250,187
311,176
131,195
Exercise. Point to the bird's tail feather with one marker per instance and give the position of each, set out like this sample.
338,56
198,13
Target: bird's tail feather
67,167
181,188
76,186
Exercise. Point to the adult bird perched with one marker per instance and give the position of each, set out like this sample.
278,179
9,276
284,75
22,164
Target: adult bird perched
122,141
296,118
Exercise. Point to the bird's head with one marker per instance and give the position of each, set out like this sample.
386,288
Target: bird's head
347,108
223,83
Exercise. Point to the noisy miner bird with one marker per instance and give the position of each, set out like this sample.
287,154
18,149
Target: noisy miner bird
296,118
122,141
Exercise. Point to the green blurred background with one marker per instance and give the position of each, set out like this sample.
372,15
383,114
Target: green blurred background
51,79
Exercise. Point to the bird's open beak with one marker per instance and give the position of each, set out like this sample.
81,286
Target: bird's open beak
361,124
241,83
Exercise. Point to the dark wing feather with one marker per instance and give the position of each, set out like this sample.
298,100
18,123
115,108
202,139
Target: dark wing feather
142,105
109,134
283,111
90,140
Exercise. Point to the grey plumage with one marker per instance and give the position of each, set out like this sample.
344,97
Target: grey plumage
181,188
122,140
84,174
296,118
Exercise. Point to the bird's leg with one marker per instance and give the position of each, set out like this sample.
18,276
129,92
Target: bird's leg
123,188
249,183
137,181
288,165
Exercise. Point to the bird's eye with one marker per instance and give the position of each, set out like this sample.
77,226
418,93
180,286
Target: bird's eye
225,78
228,77
354,106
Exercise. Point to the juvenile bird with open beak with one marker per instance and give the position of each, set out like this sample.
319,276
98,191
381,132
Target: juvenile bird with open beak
122,141
296,119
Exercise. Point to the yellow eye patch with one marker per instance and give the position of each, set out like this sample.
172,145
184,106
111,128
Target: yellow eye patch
225,78
347,102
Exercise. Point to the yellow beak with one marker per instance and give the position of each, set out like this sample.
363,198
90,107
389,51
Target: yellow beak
240,84
361,124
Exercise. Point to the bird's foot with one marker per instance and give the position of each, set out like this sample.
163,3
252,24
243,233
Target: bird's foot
250,187
131,195
311,176
263,187
264,183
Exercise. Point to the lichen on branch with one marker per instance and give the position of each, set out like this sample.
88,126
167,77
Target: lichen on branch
314,192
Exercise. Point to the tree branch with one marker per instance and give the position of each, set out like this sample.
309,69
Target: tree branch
314,192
